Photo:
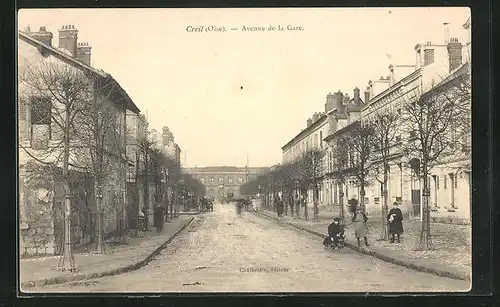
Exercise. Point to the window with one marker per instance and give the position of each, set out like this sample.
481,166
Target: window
221,180
211,180
202,180
230,180
399,111
445,181
40,114
437,182
240,180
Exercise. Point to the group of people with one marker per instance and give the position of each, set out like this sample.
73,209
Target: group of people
359,220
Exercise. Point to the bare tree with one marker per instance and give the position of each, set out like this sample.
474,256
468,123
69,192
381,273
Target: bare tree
54,92
428,118
359,143
311,168
339,168
384,124
101,137
145,149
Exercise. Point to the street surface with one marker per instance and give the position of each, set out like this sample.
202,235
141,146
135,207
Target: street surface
220,252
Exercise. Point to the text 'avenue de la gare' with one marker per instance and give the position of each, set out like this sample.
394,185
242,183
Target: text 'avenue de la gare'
270,28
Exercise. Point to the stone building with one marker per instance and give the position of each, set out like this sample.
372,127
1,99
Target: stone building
340,109
224,182
436,66
41,198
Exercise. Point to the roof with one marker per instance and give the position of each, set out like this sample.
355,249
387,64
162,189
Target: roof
129,103
344,129
305,131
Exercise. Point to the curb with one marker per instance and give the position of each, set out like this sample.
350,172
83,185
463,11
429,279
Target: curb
190,213
409,265
117,271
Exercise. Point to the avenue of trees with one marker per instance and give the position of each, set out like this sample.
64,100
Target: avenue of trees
430,129
72,131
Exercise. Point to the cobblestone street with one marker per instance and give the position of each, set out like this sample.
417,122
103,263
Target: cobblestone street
220,252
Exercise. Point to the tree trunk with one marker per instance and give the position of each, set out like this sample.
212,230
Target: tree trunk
362,196
425,235
99,247
341,201
146,193
385,208
67,261
306,213
315,202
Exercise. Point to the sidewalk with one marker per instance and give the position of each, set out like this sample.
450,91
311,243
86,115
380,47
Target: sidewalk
451,257
120,258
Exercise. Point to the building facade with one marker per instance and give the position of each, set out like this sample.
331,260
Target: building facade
223,182
436,66
40,136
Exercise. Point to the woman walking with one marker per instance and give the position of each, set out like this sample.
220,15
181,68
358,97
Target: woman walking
359,222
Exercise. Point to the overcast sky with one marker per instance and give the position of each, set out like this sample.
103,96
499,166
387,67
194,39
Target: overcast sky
226,94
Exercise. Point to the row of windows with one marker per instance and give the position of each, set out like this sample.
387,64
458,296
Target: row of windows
307,144
221,180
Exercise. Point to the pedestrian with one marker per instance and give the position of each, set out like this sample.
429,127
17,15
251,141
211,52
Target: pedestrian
158,218
395,220
280,207
360,229
353,204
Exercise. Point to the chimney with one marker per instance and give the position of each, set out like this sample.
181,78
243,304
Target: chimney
367,94
330,104
346,99
68,38
43,36
83,51
338,100
356,95
454,53
428,54
446,32
309,122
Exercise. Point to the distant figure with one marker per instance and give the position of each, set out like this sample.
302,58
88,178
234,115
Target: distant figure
360,229
279,207
395,220
158,218
353,204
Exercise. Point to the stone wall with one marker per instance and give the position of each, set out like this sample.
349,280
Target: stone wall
37,232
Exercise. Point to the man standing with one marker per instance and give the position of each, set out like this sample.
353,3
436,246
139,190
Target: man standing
395,220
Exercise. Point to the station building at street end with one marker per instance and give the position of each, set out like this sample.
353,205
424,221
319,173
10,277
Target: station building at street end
223,182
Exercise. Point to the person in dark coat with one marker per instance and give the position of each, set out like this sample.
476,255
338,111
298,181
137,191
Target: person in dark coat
353,204
280,207
395,220
334,229
158,218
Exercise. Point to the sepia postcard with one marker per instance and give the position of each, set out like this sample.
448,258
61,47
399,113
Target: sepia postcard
244,150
